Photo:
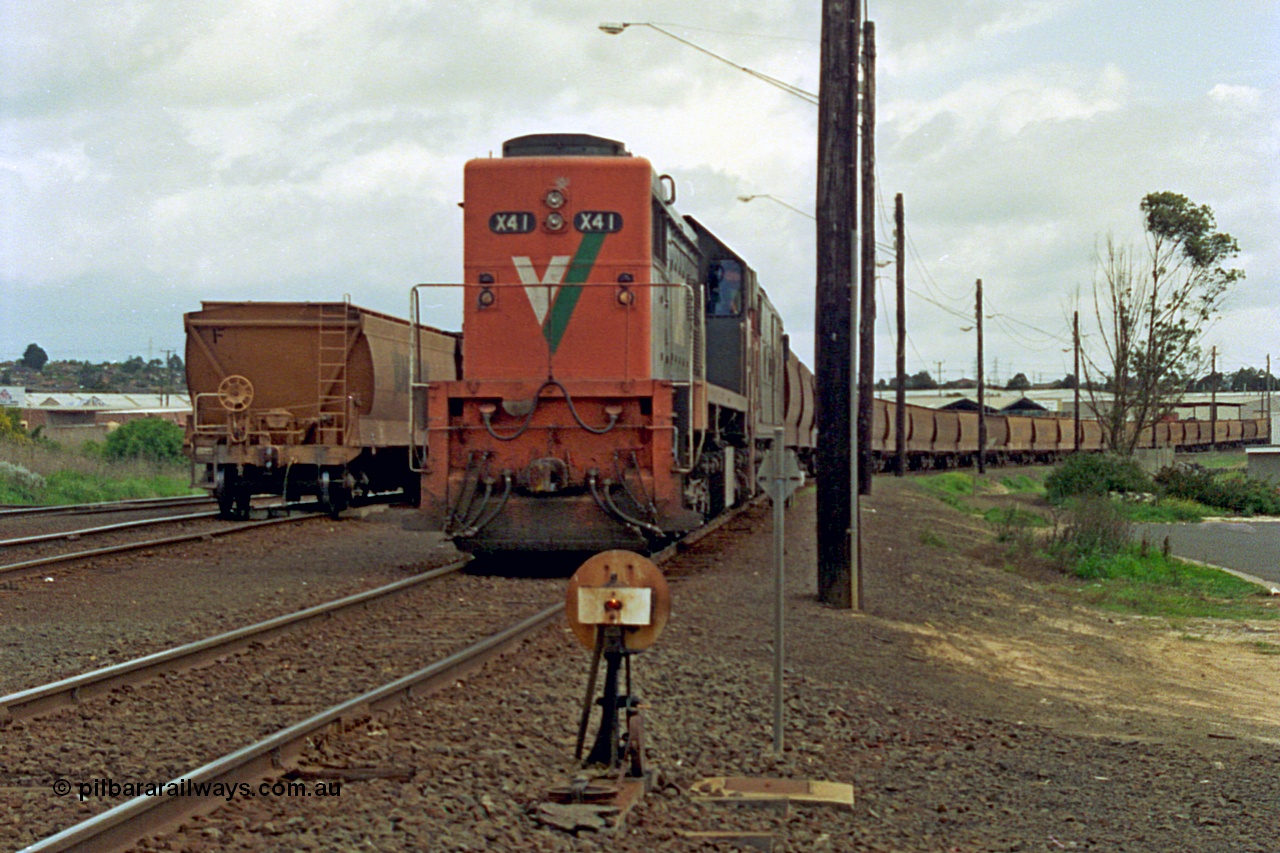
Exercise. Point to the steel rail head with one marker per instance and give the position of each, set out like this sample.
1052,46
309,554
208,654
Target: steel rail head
150,543
104,506
131,820
14,703
124,525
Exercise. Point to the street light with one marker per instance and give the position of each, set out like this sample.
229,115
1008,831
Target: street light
616,29
779,201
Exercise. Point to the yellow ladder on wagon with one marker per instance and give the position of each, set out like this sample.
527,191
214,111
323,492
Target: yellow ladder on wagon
334,329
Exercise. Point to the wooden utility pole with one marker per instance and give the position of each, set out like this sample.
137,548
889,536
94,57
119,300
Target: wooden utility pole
168,377
900,414
1075,345
836,209
867,307
1213,399
982,403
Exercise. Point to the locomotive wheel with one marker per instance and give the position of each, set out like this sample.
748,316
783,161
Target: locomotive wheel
235,393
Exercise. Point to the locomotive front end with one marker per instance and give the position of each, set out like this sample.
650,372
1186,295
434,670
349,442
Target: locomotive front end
565,431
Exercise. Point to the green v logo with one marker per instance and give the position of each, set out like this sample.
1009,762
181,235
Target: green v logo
552,303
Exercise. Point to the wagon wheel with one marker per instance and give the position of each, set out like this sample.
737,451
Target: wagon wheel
235,393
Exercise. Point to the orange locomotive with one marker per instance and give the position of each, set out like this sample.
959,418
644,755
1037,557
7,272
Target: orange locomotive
622,370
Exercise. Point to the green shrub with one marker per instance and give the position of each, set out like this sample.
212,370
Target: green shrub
19,485
148,439
11,424
1097,474
1224,491
1096,532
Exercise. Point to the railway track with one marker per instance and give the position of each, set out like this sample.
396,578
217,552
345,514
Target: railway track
145,815
215,527
149,722
105,506
68,691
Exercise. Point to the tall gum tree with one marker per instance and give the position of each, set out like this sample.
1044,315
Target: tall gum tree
1152,309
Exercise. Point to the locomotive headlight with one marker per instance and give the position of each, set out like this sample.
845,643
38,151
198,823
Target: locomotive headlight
625,296
555,221
486,297
554,199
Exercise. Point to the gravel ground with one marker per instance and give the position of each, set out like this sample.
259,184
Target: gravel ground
75,617
972,705
157,730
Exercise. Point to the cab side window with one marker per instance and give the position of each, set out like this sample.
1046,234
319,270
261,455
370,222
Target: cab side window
724,288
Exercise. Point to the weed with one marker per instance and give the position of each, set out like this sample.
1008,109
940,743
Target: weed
1022,484
43,473
1230,490
1167,511
1095,474
933,540
1013,523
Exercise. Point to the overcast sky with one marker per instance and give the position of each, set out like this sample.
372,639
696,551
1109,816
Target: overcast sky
156,154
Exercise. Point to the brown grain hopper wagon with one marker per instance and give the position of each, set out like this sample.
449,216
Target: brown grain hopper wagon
298,398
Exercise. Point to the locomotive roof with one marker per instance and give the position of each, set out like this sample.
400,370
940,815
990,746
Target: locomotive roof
563,145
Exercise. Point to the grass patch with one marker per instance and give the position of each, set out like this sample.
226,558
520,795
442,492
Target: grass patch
1152,585
1217,459
1014,517
933,540
43,474
1022,484
74,487
1168,511
951,483
953,487
1262,647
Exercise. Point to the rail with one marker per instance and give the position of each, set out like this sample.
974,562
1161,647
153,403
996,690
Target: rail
144,815
105,528
77,688
240,527
103,506
130,821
